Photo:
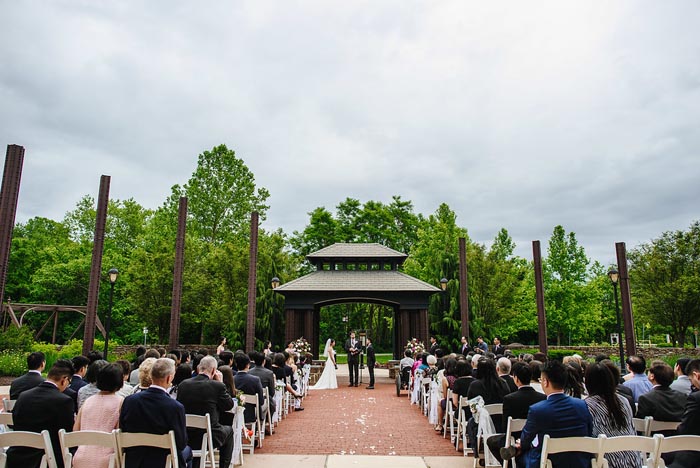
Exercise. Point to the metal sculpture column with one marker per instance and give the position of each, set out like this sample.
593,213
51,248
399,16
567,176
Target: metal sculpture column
627,317
96,268
539,290
177,274
463,288
9,193
252,280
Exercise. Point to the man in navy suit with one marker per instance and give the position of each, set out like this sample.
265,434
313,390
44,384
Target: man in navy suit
690,424
35,366
81,364
153,411
558,416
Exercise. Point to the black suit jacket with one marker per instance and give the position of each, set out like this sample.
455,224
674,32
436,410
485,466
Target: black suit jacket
250,385
23,383
352,358
510,382
77,382
499,349
39,408
201,395
371,359
267,380
465,349
433,348
690,425
518,403
153,411
663,404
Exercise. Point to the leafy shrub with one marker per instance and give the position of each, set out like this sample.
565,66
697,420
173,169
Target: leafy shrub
13,363
19,339
559,354
664,345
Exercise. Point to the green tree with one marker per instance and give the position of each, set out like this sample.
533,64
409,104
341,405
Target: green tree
665,277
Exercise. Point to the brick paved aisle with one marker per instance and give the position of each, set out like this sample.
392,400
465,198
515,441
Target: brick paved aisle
356,421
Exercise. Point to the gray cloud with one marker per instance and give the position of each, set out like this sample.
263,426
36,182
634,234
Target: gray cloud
517,115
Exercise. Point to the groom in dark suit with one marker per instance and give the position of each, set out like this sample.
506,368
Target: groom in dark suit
371,360
352,347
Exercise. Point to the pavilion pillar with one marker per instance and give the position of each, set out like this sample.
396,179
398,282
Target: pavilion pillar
626,299
252,281
177,274
463,288
96,267
290,324
539,291
9,194
423,326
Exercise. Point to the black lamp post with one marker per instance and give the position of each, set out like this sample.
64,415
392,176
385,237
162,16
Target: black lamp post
443,286
614,276
275,284
113,274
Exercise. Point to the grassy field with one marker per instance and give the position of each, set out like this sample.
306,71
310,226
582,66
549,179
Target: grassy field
381,358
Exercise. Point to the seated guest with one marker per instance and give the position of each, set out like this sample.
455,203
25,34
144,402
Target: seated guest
280,374
204,394
134,377
91,377
154,412
43,407
574,384
249,385
446,380
536,369
35,365
662,402
558,416
266,376
226,358
690,424
145,374
503,366
611,413
407,360
682,383
487,384
80,363
515,404
182,372
460,388
621,390
100,413
228,380
126,389
638,383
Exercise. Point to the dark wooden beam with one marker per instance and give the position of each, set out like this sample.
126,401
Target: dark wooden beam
174,339
627,317
539,291
96,267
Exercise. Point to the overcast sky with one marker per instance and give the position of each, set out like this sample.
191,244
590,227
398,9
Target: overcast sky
521,115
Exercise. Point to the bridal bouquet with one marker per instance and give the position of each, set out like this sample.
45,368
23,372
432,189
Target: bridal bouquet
415,346
301,346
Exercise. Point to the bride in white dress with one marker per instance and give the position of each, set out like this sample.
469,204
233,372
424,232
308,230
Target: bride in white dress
328,379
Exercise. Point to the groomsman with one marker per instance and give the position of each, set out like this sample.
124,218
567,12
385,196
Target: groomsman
371,360
465,346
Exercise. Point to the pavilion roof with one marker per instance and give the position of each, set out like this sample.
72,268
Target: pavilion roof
355,251
356,280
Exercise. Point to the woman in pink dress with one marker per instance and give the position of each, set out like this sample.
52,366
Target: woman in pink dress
100,412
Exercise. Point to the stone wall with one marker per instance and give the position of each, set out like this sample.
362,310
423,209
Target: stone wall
612,351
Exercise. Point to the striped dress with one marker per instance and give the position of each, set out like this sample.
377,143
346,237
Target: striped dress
603,424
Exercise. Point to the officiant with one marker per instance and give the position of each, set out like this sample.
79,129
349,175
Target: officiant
352,347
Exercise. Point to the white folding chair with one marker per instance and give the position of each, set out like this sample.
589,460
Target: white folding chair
255,425
267,422
494,409
658,426
127,440
449,416
513,425
641,426
206,451
6,420
69,440
461,418
679,443
33,440
550,446
8,405
425,394
648,446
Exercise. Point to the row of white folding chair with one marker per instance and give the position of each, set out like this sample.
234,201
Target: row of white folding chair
40,441
71,440
494,409
651,447
513,425
8,405
649,425
206,452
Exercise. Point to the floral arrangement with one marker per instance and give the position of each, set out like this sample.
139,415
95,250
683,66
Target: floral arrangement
301,346
239,398
414,346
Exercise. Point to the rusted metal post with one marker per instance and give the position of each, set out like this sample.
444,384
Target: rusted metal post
177,274
463,288
627,317
96,267
9,193
539,291
252,281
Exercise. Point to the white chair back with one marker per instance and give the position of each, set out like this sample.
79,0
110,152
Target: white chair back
8,405
32,440
649,446
206,451
69,440
139,439
658,426
6,419
677,444
461,418
550,446
267,420
641,426
513,425
253,400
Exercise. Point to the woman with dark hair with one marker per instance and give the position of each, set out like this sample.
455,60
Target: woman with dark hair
268,348
447,380
222,345
278,365
226,418
100,412
488,384
460,387
574,384
611,413
91,389
182,372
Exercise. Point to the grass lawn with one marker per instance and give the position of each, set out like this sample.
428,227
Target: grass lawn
381,358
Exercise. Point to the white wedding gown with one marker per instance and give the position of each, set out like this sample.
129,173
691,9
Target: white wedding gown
328,379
